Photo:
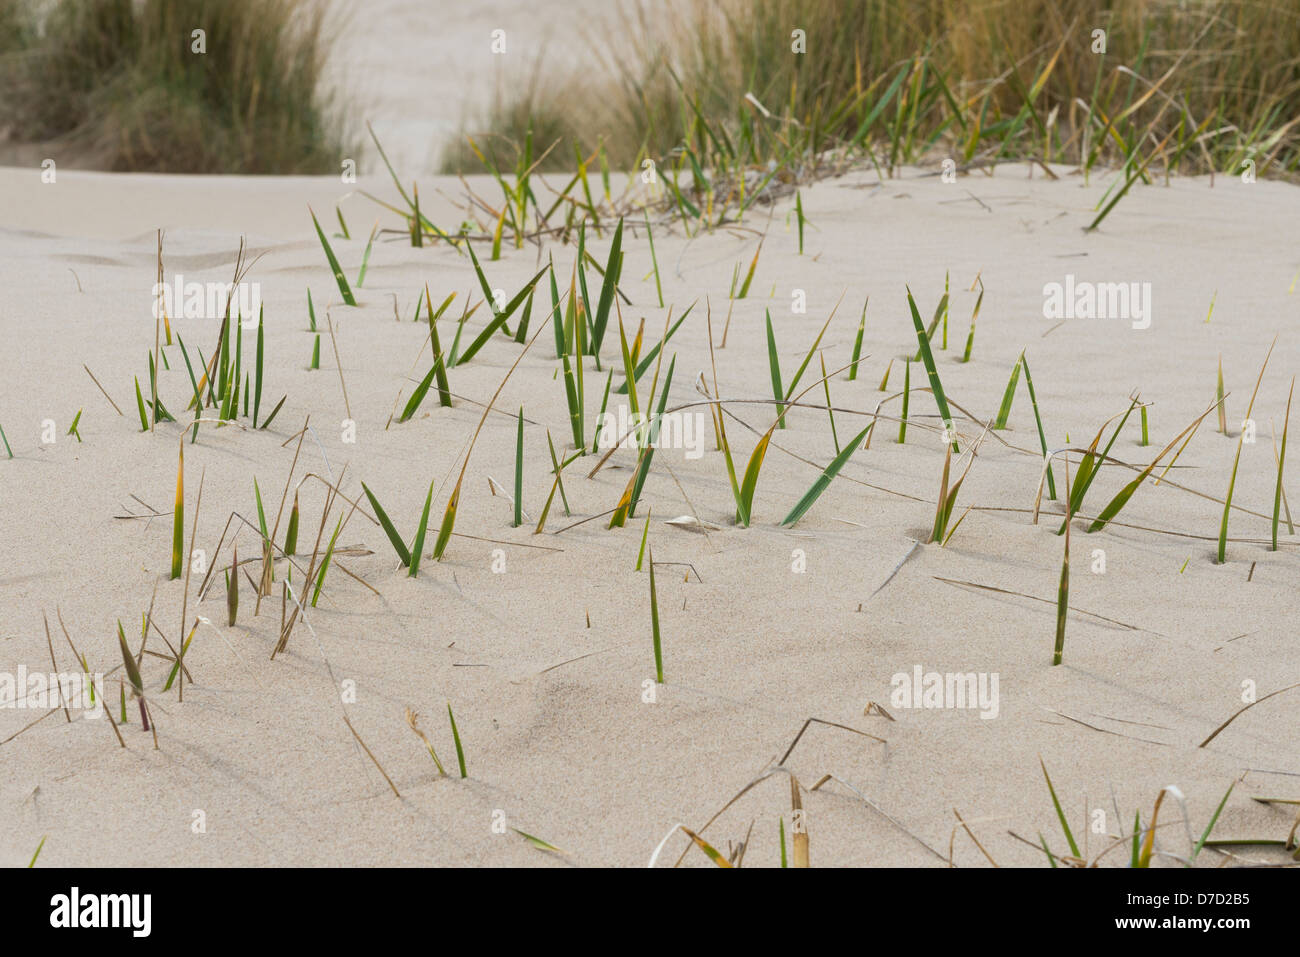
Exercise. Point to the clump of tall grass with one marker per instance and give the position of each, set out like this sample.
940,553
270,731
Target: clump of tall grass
122,82
717,89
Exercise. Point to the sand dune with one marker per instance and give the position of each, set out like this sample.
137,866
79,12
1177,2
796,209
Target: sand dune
763,627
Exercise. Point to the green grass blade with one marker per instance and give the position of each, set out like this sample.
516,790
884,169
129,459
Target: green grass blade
365,257
325,562
417,547
1074,847
612,272
654,623
455,735
341,279
857,343
928,358
1038,420
774,366
519,471
1281,463
825,479
398,545
257,369
1004,411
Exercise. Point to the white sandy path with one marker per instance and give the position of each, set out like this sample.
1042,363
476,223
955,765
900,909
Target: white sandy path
421,70
752,649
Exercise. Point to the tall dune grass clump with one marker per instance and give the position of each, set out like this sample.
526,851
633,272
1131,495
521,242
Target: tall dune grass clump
1214,83
129,85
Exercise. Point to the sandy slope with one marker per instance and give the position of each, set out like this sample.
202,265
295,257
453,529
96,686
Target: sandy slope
557,735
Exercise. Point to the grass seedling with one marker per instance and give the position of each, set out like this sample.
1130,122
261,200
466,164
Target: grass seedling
907,391
521,332
1223,412
291,533
178,519
4,438
325,562
133,676
948,495
399,546
453,502
1038,420
944,344
1281,462
825,479
537,842
654,623
927,357
749,276
32,862
315,353
365,257
884,380
519,472
1120,500
632,493
439,370
417,546
1004,411
970,336
643,363
1205,835
1091,464
455,735
645,535
857,342
930,330
341,279
139,401
1063,589
342,225
198,399
311,311
774,366
572,384
1213,298
830,411
1060,814
610,281
1145,437
232,589
500,318
557,470
659,289
1236,461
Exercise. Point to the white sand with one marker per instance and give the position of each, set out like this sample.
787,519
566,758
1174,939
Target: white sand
572,754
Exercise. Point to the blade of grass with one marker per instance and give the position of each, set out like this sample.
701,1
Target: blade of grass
344,290
399,546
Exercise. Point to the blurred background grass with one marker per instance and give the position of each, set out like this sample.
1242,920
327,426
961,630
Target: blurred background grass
1186,85
115,83
1220,79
